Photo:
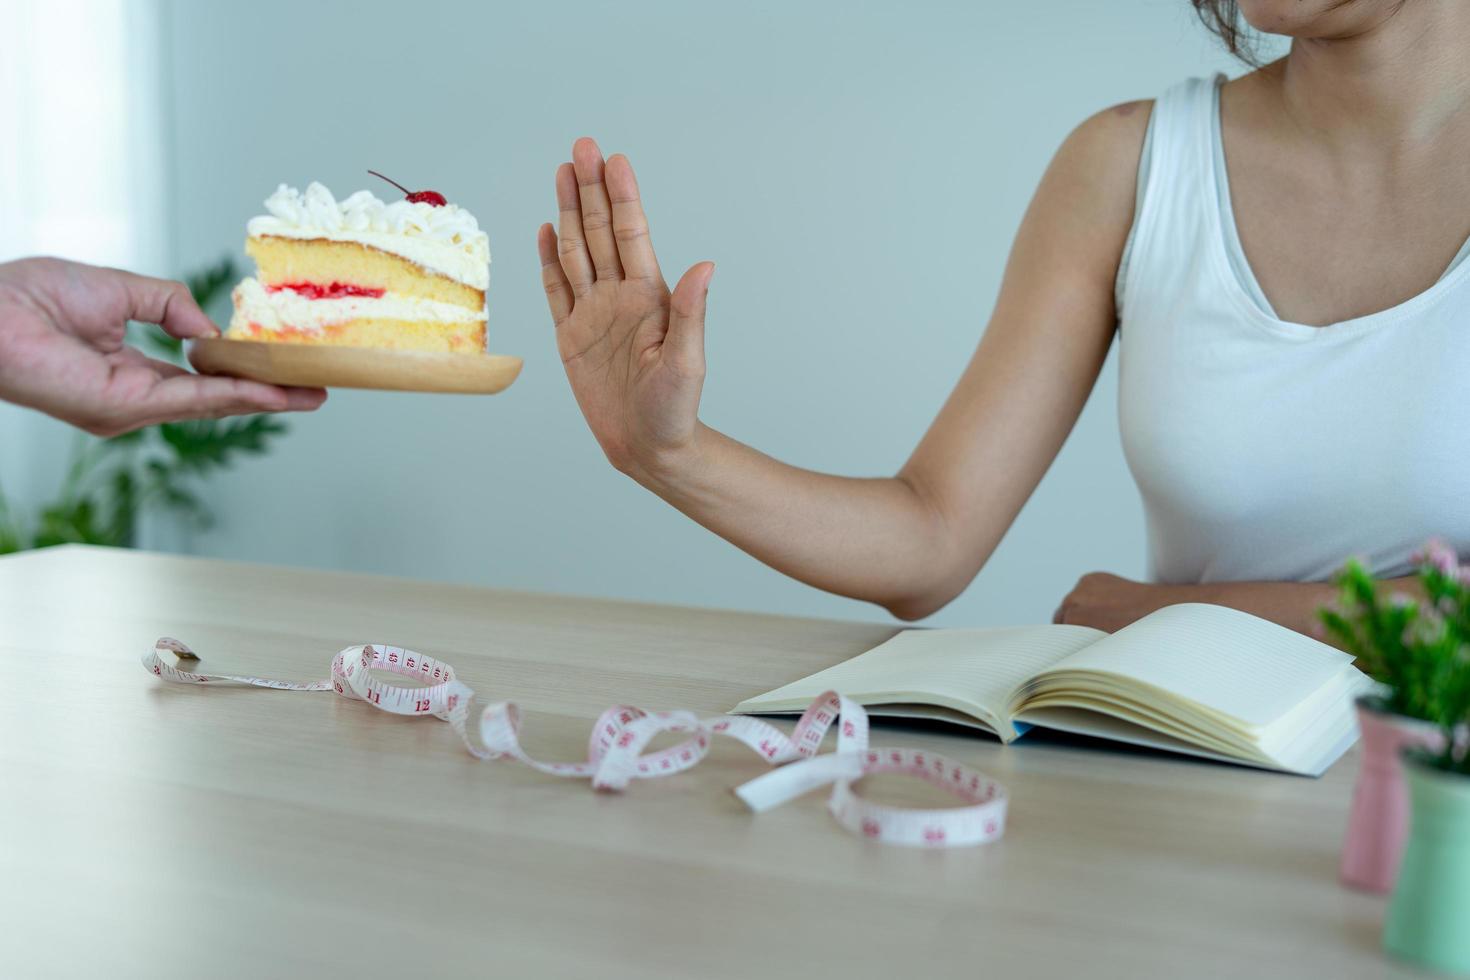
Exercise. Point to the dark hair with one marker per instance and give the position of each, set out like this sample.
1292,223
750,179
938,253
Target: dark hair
1222,18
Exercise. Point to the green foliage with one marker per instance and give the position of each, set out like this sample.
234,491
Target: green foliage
1418,649
200,446
110,483
11,533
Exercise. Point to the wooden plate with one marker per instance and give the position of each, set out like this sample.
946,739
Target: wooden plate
313,366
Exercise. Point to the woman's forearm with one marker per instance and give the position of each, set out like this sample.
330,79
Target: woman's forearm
876,539
1290,604
1109,602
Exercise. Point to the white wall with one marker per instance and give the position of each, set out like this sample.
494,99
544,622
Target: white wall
857,170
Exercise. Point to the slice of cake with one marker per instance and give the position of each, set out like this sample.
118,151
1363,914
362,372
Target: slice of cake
410,275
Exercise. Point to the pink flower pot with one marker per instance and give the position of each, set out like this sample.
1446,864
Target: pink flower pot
1379,822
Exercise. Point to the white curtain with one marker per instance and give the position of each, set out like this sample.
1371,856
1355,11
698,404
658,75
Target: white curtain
81,169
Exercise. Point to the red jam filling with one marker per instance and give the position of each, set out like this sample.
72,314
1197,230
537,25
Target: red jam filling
336,290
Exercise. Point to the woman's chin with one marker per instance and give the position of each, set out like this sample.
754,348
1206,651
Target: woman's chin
1316,19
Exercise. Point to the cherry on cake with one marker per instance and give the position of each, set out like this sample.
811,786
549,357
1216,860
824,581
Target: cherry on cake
406,275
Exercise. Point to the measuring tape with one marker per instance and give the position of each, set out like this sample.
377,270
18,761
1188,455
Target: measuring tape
615,753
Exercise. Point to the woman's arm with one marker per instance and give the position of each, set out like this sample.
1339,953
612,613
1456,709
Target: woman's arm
634,354
1109,602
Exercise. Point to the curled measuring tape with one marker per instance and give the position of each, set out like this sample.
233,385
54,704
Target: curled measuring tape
615,753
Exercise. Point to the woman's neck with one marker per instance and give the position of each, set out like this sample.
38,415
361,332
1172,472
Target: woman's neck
1397,82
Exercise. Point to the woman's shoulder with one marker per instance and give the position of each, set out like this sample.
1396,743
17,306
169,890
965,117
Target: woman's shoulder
1105,153
1095,171
1111,139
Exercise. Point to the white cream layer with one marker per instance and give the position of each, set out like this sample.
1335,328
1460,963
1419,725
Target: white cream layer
444,239
286,310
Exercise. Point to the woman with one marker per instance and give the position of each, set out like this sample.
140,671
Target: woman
1282,258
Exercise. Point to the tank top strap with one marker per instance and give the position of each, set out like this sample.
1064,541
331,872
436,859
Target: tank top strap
1175,187
1183,117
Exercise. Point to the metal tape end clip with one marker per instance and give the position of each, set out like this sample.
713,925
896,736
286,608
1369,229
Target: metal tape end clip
176,648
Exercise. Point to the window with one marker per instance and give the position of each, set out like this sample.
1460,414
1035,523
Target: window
81,168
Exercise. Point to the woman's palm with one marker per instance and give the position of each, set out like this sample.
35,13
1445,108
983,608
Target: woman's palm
633,351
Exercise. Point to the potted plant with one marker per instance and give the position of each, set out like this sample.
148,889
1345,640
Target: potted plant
1410,646
1429,916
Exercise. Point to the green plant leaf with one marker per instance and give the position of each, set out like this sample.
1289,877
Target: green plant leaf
122,521
1419,649
12,536
201,446
73,523
211,282
134,438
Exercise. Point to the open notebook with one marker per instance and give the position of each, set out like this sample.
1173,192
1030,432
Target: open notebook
1193,678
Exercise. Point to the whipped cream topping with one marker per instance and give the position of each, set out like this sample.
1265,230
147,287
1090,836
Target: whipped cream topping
288,310
444,239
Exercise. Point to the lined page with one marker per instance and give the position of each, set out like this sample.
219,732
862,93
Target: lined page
1227,660
981,666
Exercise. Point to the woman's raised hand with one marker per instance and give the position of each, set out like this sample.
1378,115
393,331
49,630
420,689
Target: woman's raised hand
633,350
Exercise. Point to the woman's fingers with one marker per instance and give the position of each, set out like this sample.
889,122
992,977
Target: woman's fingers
596,210
558,290
165,302
684,343
572,246
630,226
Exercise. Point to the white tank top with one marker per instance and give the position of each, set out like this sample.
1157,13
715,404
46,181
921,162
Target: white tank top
1270,450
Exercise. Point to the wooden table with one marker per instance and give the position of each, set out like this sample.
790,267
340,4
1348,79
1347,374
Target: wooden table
167,831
